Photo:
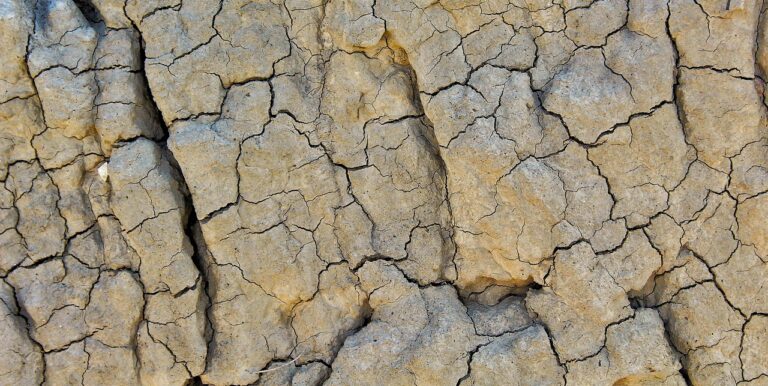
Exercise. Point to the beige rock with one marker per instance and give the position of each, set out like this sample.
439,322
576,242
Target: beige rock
518,116
544,200
665,235
403,192
381,94
751,229
190,55
590,97
754,347
39,224
609,236
430,39
287,373
202,92
636,352
148,203
54,295
743,280
23,363
749,176
335,311
579,301
420,336
286,253
458,107
117,49
520,358
172,16
719,124
114,310
245,111
112,12
123,110
172,342
16,23
20,121
383,192
67,100
683,272
707,331
201,153
647,17
643,161
242,345
633,263
106,364
555,49
691,196
63,42
141,181
647,63
508,315
67,367
73,202
246,27
353,24
711,234
499,44
700,31
589,26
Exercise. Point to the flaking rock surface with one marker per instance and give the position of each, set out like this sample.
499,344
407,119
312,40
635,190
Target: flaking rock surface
383,192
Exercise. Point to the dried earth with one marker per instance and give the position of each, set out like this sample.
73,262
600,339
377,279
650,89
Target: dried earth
383,192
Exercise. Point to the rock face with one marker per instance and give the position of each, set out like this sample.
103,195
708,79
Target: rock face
391,192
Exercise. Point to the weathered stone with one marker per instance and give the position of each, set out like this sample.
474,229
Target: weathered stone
23,363
415,335
590,97
308,192
751,229
754,347
742,279
643,161
692,195
589,26
580,300
707,330
636,352
719,124
701,30
682,272
508,315
200,151
16,23
55,294
749,176
518,358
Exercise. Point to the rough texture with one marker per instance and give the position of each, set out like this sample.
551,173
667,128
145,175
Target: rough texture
361,192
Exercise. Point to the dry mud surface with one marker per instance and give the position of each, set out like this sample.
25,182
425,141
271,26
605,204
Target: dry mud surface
383,192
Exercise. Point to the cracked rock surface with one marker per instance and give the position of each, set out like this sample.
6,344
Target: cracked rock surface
383,192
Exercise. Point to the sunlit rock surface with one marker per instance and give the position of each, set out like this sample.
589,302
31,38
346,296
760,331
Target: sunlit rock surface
391,192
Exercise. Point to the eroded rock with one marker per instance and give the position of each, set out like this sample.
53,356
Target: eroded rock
383,192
